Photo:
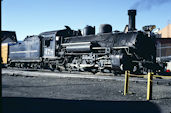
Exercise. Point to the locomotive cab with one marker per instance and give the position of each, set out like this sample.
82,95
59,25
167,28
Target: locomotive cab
48,47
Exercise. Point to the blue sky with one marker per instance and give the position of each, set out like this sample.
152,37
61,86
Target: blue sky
31,17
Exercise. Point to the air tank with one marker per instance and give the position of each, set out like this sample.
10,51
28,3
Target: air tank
88,30
105,28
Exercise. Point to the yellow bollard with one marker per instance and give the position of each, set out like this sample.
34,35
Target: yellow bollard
149,86
126,82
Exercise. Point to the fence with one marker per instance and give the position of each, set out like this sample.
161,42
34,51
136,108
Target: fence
150,76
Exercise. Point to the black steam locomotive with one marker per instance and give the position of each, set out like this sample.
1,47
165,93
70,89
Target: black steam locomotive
108,51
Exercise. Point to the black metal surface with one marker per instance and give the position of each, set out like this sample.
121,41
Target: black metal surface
140,44
79,48
107,39
88,30
26,50
132,14
64,33
105,28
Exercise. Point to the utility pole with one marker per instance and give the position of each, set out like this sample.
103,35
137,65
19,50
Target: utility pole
168,30
0,68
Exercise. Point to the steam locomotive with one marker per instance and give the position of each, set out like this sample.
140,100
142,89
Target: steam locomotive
71,50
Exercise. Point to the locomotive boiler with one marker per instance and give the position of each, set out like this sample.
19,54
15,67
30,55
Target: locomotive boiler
107,51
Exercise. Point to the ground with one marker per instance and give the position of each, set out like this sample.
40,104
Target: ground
83,87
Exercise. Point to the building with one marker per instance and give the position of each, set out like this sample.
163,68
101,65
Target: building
163,48
165,32
164,44
8,37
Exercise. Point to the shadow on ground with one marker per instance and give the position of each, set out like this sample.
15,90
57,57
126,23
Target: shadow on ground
43,105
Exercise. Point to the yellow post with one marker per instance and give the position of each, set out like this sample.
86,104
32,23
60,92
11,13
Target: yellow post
149,86
126,82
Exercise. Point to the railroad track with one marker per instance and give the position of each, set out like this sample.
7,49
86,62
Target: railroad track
46,72
56,71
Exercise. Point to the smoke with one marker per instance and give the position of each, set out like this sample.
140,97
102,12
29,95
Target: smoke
148,4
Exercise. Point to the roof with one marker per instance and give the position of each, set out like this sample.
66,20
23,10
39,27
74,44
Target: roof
62,32
166,32
49,33
8,34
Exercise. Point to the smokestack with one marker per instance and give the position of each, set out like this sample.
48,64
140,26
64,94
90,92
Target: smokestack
132,14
